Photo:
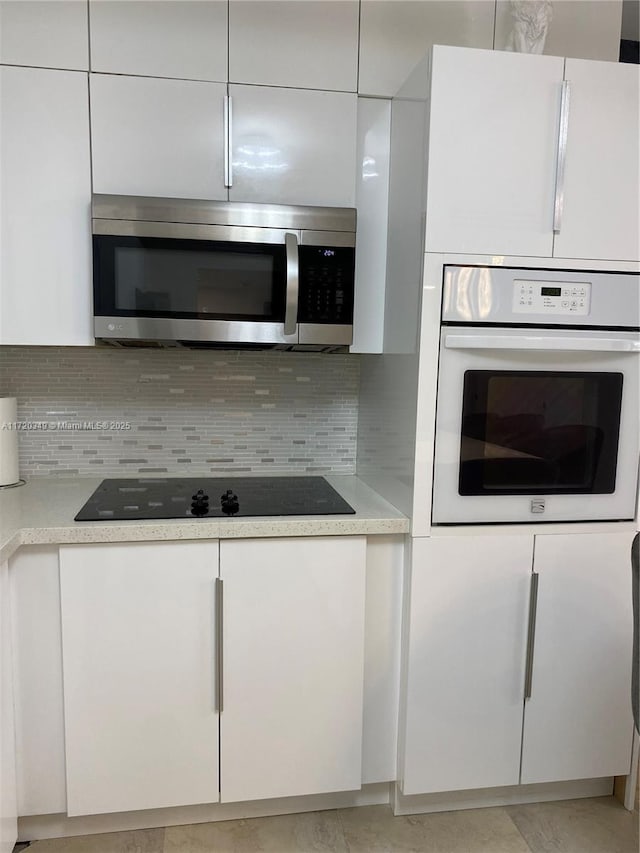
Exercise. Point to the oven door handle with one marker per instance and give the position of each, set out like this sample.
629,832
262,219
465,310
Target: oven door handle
532,342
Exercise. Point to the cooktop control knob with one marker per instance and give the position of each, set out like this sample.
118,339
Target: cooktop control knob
200,503
229,503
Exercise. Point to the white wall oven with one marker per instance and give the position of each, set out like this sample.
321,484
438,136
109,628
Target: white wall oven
538,415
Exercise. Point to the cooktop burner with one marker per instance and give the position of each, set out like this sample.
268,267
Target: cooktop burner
212,497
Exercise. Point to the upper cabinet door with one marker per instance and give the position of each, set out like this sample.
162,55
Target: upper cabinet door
600,215
308,44
44,34
45,255
293,147
157,137
160,38
492,152
394,36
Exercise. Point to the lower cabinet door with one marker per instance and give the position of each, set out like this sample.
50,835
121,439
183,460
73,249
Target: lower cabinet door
8,804
578,722
465,662
139,658
293,663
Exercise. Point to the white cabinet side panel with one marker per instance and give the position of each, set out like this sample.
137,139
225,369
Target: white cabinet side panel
157,137
578,722
138,640
44,34
165,38
293,146
382,658
37,640
465,667
492,150
293,664
372,201
45,172
8,806
307,44
601,217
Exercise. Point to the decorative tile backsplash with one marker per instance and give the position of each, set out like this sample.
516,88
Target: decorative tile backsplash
110,412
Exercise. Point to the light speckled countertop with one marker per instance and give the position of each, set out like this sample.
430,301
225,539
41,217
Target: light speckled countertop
42,511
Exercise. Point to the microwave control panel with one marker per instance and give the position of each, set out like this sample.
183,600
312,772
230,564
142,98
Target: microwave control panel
326,284
555,298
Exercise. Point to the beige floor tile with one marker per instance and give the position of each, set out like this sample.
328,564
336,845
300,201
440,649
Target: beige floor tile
312,832
577,826
140,841
375,830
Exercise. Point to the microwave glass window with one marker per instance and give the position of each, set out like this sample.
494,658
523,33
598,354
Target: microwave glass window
203,283
539,432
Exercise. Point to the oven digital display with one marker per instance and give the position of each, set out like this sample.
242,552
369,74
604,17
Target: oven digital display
551,291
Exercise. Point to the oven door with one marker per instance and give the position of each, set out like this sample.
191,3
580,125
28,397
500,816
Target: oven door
175,282
536,425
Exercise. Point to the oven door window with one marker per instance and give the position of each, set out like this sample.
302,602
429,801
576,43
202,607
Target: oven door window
193,279
533,432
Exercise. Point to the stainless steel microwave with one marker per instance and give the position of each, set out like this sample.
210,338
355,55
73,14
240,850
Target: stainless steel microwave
210,273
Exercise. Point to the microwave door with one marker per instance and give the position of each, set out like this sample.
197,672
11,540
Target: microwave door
207,285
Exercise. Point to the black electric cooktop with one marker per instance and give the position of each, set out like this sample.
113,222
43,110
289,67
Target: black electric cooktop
212,497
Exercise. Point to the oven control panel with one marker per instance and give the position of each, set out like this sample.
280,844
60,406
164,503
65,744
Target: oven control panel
551,297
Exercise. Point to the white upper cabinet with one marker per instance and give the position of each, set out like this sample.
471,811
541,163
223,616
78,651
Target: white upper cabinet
42,33
492,152
293,666
394,36
160,38
578,722
45,234
307,44
293,146
157,137
601,196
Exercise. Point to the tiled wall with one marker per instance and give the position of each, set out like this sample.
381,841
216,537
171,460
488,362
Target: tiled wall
189,412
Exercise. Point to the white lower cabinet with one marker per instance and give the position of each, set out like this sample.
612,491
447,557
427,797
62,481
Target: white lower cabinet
475,671
174,681
138,650
293,665
8,807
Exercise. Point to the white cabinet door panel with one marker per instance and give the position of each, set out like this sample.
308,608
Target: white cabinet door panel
160,38
293,147
601,199
157,137
293,664
492,150
37,641
578,722
138,629
396,34
307,44
44,34
8,808
466,662
45,252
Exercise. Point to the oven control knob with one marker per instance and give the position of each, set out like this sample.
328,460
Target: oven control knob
229,502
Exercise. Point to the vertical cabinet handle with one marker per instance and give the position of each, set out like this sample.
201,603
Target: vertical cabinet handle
558,204
531,634
291,310
219,638
228,141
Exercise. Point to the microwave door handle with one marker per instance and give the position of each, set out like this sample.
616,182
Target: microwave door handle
532,342
293,282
